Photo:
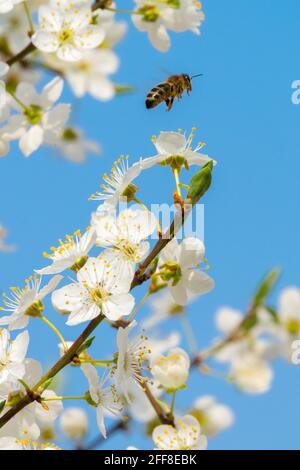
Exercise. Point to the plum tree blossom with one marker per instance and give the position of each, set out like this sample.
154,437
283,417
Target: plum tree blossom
177,267
185,436
171,371
156,17
38,119
132,353
125,237
73,253
174,149
12,355
118,185
213,417
8,5
100,289
108,273
68,33
103,398
74,423
27,302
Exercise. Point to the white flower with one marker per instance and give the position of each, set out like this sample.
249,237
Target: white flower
25,425
74,423
40,121
171,371
289,310
12,355
68,33
178,265
12,443
3,246
4,69
117,185
132,354
90,74
251,373
7,5
139,406
155,16
212,416
187,16
186,435
104,398
114,30
126,236
26,302
163,308
70,254
74,147
175,148
100,289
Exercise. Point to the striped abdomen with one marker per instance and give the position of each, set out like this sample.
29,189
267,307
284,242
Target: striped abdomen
158,94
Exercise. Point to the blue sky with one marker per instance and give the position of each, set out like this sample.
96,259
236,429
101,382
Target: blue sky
248,53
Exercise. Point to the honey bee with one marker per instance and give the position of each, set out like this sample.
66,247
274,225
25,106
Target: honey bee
167,91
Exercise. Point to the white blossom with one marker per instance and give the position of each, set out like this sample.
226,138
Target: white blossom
174,148
132,353
73,146
26,302
12,355
38,120
4,69
251,374
68,32
100,289
74,423
213,417
73,253
7,5
171,371
156,16
126,235
104,398
118,185
186,435
178,265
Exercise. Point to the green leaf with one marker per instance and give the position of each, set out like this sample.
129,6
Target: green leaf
273,313
123,89
200,183
2,405
250,322
266,287
86,345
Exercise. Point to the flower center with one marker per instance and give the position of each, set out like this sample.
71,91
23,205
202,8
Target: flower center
69,134
66,36
150,13
34,114
293,326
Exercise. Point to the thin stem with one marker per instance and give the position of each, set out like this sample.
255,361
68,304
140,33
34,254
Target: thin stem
29,18
173,403
177,180
115,10
22,54
17,100
156,406
140,305
99,363
63,398
56,331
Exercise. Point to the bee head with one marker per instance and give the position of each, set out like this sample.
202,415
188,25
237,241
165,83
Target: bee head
188,82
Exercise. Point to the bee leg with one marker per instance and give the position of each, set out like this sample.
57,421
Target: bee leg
169,103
